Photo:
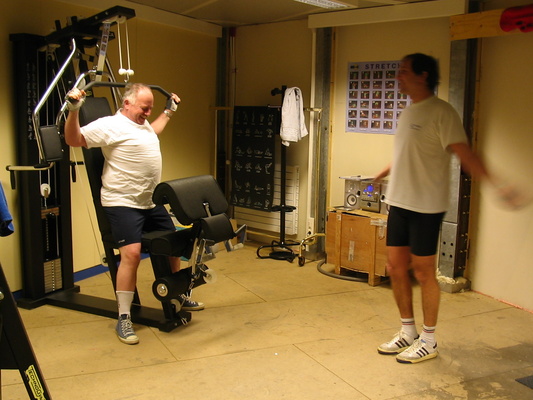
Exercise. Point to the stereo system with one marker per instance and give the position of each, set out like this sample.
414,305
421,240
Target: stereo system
363,193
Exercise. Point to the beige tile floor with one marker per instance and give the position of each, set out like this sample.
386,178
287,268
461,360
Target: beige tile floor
273,330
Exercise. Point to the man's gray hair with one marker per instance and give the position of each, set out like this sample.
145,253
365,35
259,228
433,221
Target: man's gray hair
132,90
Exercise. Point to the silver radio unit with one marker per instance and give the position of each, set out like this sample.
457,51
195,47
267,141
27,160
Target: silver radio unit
363,193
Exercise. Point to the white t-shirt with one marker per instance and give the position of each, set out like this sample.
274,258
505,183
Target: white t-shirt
133,160
420,174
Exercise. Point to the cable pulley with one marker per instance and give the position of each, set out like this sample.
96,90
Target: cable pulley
123,71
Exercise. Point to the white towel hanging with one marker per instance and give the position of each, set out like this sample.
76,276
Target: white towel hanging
292,117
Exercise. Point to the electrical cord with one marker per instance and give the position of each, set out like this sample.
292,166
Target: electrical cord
334,275
338,276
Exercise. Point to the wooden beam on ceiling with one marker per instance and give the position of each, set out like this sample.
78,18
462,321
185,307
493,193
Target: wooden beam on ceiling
478,25
398,12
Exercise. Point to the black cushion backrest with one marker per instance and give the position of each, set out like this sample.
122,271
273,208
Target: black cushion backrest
51,142
92,109
187,196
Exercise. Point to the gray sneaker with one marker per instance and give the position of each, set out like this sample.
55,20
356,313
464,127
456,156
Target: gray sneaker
399,343
125,331
419,351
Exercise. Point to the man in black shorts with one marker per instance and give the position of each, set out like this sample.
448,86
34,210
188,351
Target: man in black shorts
132,170
428,131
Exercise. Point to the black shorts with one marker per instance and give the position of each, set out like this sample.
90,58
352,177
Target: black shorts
417,230
128,224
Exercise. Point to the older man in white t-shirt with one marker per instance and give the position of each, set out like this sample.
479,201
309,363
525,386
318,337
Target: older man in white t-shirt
132,169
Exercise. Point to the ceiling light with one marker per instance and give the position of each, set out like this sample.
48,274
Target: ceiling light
324,3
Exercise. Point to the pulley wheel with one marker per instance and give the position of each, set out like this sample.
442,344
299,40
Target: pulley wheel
210,276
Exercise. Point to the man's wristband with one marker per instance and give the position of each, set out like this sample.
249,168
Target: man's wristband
168,113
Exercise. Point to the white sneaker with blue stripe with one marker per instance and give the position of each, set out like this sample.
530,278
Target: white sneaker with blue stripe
397,344
419,351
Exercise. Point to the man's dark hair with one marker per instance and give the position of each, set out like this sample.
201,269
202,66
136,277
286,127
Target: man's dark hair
421,63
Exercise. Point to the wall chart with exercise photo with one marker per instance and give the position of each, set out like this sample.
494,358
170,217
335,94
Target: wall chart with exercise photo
373,101
253,151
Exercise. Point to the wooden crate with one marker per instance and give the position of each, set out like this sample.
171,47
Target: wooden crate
333,236
355,240
357,243
380,260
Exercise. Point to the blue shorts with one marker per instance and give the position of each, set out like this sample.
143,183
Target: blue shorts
417,230
128,224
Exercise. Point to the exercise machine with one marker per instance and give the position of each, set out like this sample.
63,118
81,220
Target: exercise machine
46,68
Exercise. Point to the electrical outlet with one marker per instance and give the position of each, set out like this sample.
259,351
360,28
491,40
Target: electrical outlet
310,228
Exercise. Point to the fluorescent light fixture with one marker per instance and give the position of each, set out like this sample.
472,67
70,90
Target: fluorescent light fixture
324,3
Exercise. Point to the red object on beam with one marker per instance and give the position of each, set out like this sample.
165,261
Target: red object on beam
517,18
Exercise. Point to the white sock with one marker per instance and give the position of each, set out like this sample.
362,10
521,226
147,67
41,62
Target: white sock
409,327
124,300
428,335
